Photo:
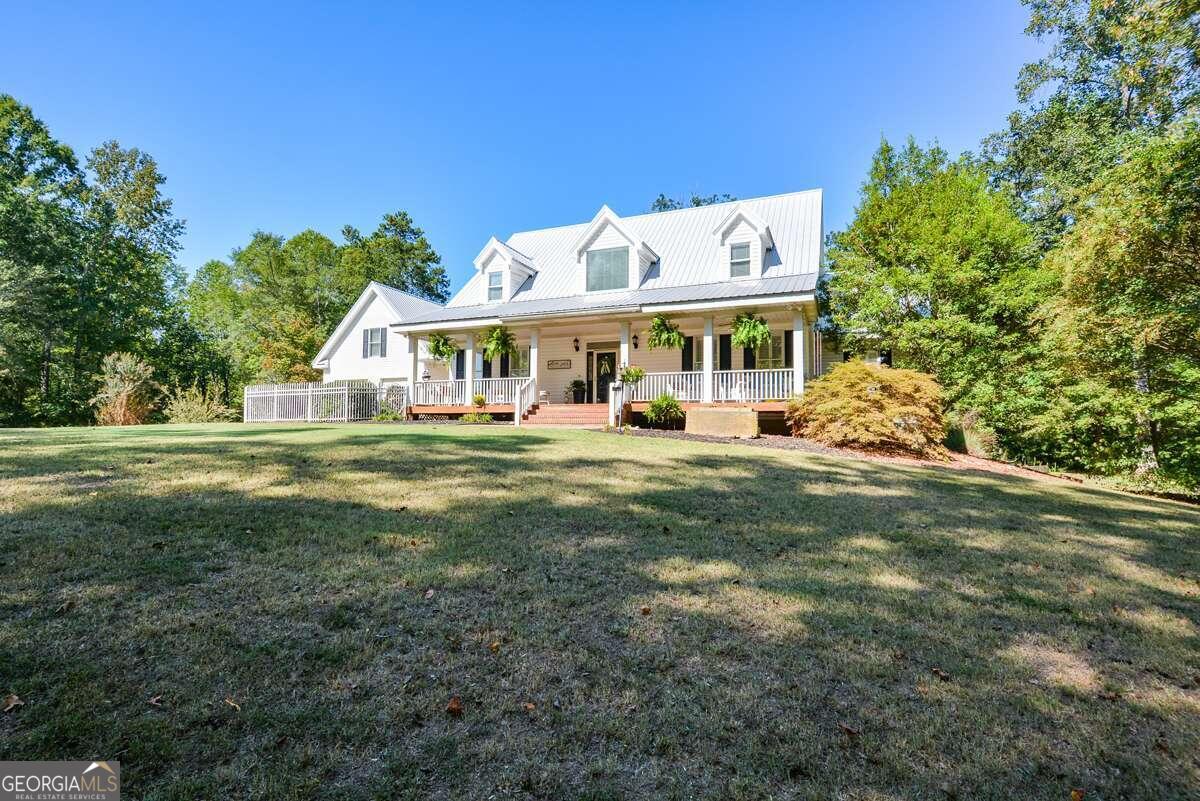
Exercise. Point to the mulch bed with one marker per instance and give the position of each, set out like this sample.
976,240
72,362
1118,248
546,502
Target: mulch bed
957,461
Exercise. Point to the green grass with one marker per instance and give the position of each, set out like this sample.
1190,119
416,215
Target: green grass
801,609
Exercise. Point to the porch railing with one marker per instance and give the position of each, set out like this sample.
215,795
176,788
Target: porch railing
752,385
441,393
526,397
498,390
684,386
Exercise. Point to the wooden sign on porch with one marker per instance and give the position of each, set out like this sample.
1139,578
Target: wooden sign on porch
558,364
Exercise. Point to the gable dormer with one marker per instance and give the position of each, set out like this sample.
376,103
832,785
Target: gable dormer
744,240
502,270
609,256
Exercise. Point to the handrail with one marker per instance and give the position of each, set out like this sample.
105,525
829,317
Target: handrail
526,395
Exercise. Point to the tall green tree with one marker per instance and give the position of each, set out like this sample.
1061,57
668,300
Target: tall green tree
938,267
1115,70
276,301
1129,313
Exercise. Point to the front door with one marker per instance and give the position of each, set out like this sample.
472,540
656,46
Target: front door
606,372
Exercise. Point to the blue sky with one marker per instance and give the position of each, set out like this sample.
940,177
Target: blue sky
509,116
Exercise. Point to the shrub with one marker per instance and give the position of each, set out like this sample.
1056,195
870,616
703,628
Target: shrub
664,412
857,405
195,405
387,415
479,399
476,417
127,393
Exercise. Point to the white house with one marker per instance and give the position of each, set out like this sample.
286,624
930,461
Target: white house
364,345
580,299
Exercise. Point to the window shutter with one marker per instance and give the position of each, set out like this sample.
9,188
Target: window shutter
366,342
383,342
748,360
487,368
725,353
787,349
688,353
460,365
504,365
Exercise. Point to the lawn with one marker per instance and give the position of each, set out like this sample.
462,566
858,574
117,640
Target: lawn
286,612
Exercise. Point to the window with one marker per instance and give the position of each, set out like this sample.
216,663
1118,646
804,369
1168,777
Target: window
770,354
607,269
519,366
739,260
495,285
374,342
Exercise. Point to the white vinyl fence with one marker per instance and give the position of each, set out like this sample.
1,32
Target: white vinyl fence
321,403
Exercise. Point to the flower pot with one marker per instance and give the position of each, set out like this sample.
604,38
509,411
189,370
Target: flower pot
579,395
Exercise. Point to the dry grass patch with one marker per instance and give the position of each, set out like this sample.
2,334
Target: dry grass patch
620,617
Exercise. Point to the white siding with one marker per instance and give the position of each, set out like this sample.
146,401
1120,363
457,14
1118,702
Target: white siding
346,361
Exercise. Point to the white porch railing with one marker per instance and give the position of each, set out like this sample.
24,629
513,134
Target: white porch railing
498,390
320,403
441,393
739,386
526,397
684,386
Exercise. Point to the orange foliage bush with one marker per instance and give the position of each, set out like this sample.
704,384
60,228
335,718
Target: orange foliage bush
857,405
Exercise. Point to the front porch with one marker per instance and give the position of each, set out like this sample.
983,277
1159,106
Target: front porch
580,361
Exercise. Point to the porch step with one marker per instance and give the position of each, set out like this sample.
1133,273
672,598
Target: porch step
569,414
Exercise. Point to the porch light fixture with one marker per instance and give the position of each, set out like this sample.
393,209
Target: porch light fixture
575,342
635,341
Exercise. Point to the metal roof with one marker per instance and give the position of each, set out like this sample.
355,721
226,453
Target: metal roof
725,290
688,268
404,304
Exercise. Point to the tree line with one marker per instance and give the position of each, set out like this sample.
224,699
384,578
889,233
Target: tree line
1051,281
88,269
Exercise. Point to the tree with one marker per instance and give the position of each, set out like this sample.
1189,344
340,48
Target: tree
1115,71
938,266
397,254
664,203
1129,314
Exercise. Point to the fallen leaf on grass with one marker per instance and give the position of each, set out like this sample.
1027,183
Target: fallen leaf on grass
941,674
645,610
849,730
528,706
455,707
494,647
155,700
1077,794
236,706
12,702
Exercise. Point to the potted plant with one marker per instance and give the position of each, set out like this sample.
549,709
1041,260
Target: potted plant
632,374
664,334
578,390
441,347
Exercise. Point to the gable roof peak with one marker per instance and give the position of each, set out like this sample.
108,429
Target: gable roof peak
738,213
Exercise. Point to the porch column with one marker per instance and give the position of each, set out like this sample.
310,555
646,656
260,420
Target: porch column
708,360
533,359
624,357
469,368
799,351
414,354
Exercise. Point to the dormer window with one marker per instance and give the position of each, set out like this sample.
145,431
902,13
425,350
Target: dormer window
495,286
607,269
739,260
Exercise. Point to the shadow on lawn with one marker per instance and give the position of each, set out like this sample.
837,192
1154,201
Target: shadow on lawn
815,625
